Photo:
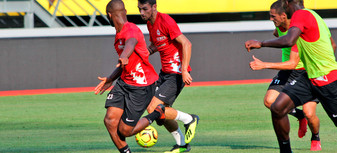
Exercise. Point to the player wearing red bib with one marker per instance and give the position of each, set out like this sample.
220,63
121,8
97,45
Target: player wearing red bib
289,71
175,53
313,39
135,85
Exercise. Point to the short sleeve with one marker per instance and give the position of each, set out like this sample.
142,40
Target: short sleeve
131,32
299,20
171,27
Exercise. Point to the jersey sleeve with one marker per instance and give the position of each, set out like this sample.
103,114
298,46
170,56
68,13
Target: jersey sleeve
172,28
300,19
131,32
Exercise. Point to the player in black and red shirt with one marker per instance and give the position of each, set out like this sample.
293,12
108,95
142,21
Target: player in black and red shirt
135,85
175,54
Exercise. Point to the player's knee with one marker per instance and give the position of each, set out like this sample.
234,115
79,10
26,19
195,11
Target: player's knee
309,114
277,112
268,102
111,122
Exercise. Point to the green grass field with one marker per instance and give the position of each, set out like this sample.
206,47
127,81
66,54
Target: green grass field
232,119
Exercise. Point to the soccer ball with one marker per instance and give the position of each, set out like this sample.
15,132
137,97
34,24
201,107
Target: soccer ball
148,137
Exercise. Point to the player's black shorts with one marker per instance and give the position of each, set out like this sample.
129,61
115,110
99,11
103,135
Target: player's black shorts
169,87
302,90
285,77
282,78
132,99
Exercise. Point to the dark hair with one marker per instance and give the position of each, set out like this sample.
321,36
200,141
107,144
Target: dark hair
151,2
278,7
296,1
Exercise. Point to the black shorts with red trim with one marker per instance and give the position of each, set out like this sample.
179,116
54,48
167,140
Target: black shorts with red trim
169,87
301,90
132,99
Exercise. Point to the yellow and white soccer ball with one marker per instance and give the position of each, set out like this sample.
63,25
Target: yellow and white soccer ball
148,137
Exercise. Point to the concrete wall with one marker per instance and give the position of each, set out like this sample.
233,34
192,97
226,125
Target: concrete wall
38,63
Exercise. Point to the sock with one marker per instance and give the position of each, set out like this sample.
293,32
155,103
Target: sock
125,149
184,117
179,137
122,137
315,137
297,113
284,146
152,116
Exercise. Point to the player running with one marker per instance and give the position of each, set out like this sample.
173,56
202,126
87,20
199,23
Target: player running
311,35
175,54
135,85
286,75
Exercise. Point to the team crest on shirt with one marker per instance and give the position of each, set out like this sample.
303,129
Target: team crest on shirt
139,75
160,38
175,63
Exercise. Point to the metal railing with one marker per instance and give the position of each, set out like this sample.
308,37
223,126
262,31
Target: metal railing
92,15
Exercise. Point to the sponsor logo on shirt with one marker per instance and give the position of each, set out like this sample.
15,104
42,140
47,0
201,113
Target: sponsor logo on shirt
161,38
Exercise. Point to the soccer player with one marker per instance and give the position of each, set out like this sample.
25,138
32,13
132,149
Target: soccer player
175,54
313,39
286,75
135,85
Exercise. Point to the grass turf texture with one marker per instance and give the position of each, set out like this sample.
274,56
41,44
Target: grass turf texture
232,119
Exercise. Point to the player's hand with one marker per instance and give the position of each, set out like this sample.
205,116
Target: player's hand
122,62
186,77
103,85
256,64
252,44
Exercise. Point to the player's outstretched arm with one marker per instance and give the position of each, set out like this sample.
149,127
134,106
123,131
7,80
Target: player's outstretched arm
281,42
106,82
186,57
291,64
288,40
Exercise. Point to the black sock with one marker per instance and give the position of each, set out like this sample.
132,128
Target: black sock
297,113
315,137
125,149
284,146
122,137
153,116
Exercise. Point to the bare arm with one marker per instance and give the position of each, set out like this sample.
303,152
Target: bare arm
186,57
129,47
333,44
152,49
287,65
281,42
275,33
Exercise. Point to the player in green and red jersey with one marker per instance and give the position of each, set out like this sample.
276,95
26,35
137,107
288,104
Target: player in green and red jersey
175,54
313,39
289,70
